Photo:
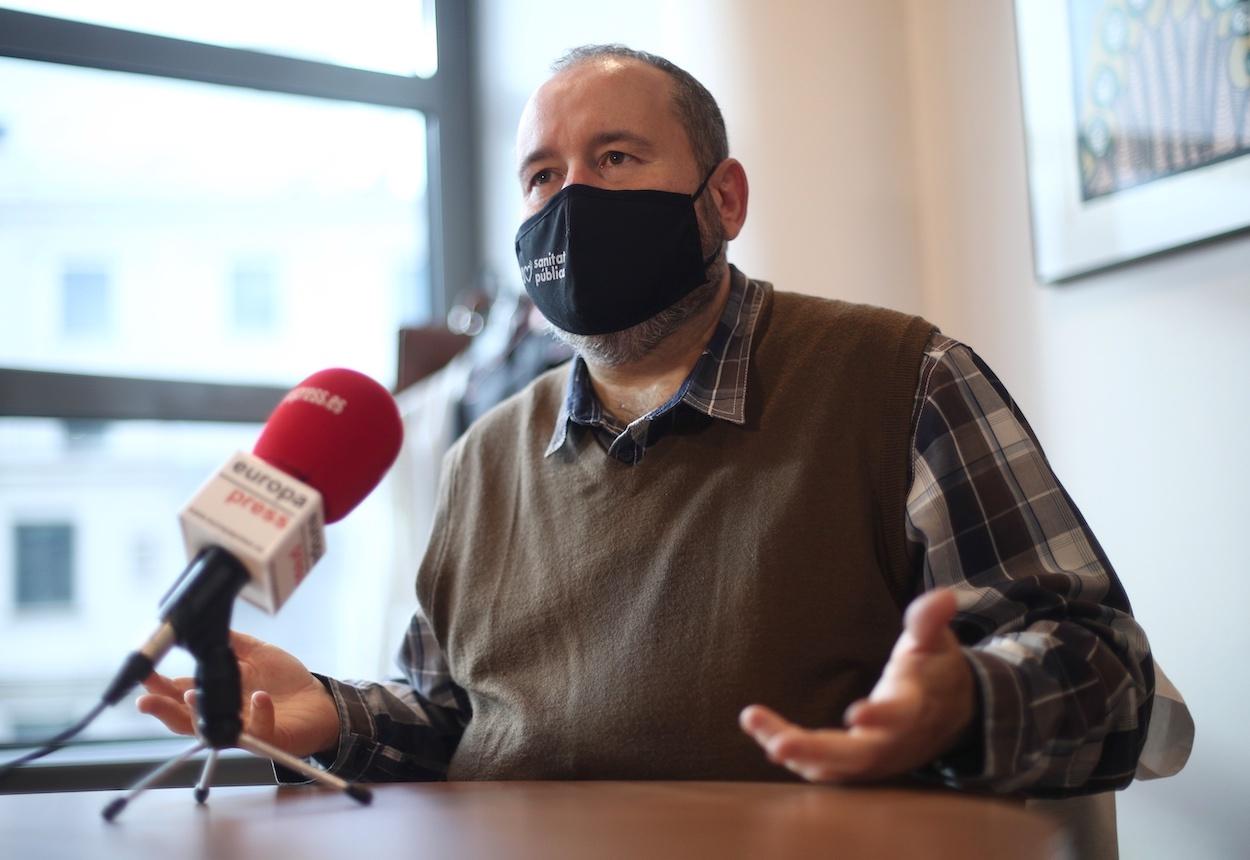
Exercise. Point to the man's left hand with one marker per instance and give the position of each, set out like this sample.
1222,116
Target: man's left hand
919,709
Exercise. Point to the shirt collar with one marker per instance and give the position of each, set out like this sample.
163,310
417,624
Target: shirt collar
717,386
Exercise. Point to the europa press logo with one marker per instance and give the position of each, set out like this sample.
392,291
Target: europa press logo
549,267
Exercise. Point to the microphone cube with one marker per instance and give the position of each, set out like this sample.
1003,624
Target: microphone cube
272,523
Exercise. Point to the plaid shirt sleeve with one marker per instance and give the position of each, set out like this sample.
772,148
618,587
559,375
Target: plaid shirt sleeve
1064,674
402,730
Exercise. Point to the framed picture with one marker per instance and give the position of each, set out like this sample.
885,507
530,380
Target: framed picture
1137,121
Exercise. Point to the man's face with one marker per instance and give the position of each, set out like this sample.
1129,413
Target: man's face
611,123
606,122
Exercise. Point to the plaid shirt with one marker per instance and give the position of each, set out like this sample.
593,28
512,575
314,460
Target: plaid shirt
1064,674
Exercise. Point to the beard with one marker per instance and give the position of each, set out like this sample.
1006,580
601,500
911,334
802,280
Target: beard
631,344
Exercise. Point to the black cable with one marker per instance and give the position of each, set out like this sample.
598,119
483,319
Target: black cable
137,667
55,744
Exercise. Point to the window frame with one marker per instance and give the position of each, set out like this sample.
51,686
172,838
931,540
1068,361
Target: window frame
445,101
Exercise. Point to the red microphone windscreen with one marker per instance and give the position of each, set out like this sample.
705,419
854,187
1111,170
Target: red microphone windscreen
338,431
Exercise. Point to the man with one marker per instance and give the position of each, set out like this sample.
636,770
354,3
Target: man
709,524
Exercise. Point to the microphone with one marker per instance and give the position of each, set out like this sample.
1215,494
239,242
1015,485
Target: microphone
256,527
324,448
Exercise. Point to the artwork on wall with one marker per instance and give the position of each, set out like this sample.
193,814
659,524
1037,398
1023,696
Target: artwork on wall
1137,120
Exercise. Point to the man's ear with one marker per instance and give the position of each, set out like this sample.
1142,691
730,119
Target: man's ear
729,190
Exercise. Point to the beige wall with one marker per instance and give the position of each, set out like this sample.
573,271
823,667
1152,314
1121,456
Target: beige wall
884,145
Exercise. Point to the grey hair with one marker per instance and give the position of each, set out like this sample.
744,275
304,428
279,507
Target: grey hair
696,109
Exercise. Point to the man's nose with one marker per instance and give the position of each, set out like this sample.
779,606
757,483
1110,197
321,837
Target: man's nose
581,174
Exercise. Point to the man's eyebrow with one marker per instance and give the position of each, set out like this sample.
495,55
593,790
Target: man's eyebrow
536,155
603,138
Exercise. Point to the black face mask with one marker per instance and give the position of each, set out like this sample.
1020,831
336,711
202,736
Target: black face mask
597,261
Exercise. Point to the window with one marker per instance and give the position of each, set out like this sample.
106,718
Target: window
199,195
44,565
85,307
203,205
253,299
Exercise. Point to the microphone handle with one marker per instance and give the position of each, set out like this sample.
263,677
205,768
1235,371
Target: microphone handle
195,613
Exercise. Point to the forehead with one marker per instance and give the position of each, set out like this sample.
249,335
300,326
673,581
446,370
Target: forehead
597,95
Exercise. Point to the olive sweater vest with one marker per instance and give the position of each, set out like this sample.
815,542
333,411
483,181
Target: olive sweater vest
609,621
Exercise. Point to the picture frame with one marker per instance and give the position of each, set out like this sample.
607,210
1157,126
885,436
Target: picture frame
1137,127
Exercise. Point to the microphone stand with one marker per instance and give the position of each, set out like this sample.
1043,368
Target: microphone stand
199,608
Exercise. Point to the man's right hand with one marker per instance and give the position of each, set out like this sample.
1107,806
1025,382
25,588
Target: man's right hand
283,704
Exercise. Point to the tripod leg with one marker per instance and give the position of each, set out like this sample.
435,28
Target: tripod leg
206,777
356,792
118,804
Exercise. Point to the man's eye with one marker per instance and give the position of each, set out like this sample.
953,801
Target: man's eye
542,177
615,158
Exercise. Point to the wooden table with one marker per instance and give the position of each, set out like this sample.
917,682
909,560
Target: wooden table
651,820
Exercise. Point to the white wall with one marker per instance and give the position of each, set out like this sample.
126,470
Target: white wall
884,145
1135,381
